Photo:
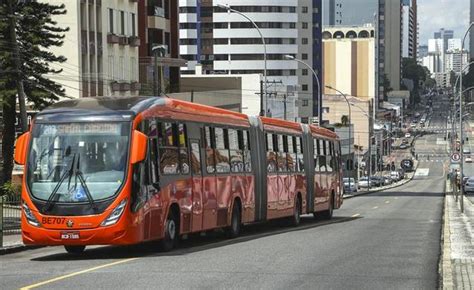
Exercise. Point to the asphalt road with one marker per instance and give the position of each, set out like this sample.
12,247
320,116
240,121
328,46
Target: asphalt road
389,239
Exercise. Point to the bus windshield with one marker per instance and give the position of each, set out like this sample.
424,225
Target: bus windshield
70,160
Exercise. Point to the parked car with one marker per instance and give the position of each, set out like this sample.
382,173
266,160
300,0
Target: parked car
468,159
364,182
407,135
407,165
353,184
469,185
466,151
403,146
404,141
377,180
387,180
395,175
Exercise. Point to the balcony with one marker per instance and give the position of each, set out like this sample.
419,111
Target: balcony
112,38
123,40
134,41
135,86
120,86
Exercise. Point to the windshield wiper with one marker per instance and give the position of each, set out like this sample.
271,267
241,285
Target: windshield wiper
78,173
49,203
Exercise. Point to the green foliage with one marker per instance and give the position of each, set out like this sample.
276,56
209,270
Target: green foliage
36,33
345,120
415,72
10,190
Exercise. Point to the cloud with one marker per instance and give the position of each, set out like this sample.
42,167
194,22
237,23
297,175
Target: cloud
448,14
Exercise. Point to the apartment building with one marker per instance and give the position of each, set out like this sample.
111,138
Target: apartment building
101,48
228,43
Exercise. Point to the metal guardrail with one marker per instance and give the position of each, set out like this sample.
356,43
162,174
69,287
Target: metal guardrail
10,215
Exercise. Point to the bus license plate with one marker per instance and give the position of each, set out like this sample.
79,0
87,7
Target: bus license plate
70,236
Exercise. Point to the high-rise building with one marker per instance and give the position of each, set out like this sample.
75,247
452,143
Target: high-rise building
409,32
227,43
349,60
390,43
349,12
101,48
158,30
445,35
422,52
454,44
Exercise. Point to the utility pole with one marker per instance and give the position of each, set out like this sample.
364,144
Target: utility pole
262,109
19,81
284,107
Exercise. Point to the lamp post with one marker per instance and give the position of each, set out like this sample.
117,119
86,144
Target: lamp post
460,114
350,121
229,10
320,113
463,69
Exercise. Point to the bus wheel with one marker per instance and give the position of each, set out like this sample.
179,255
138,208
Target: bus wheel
328,213
233,230
296,218
170,239
75,249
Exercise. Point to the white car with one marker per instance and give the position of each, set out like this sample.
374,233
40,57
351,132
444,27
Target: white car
395,175
468,159
353,185
469,185
407,135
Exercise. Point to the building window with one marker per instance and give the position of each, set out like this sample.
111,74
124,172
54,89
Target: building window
304,56
111,21
304,40
304,9
304,72
305,103
304,25
132,24
304,88
122,23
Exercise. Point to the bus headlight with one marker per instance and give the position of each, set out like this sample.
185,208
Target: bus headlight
30,217
115,214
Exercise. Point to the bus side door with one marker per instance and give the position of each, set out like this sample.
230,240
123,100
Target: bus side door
209,195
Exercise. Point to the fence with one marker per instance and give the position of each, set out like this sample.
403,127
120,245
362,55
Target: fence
10,211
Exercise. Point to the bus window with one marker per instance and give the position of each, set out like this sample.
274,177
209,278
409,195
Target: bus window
281,155
329,159
299,154
152,133
271,156
236,150
195,158
246,148
316,155
173,152
210,144
322,156
291,155
183,150
222,151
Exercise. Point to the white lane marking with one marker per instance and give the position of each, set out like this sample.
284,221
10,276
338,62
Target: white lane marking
422,171
375,207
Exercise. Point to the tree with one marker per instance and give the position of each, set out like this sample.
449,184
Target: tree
36,33
415,72
345,120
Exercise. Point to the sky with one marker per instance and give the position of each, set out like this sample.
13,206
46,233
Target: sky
448,14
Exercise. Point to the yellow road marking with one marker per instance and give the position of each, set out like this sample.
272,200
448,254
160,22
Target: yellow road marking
356,215
77,273
375,207
387,201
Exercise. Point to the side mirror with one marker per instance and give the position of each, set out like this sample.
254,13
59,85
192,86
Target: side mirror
20,148
139,147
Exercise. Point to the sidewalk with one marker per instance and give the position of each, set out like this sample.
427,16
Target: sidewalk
457,263
11,244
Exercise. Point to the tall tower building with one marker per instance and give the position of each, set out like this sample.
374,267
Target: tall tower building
471,33
390,46
227,43
409,32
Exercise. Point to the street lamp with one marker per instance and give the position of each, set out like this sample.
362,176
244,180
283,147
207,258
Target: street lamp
463,69
229,10
460,113
320,117
350,120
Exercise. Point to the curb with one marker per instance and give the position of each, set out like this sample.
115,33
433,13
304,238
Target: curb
445,268
16,248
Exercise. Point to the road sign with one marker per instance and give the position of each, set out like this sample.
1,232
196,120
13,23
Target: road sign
455,157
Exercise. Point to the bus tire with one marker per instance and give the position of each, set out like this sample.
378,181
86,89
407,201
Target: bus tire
233,230
170,238
296,217
76,250
328,213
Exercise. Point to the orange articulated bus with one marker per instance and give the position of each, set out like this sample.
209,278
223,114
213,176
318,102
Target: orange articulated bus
119,171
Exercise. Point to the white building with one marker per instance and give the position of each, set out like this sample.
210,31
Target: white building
227,43
101,48
454,44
